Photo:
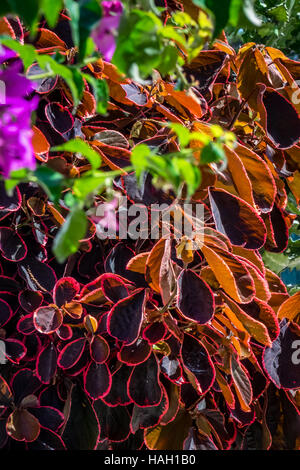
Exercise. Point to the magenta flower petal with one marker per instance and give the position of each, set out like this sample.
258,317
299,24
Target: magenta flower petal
105,31
16,150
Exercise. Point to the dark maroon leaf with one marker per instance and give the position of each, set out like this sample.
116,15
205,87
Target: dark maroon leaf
64,332
236,219
195,299
150,416
281,360
39,276
99,349
30,300
12,246
114,287
135,353
71,353
144,387
24,383
282,120
46,363
114,421
118,394
22,426
117,261
154,332
14,350
59,117
280,231
49,417
47,440
25,325
97,380
5,312
9,203
197,363
125,318
65,290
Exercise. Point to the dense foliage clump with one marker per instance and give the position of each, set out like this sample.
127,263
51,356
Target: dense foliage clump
159,343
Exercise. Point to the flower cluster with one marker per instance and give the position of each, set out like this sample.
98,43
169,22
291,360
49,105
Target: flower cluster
15,117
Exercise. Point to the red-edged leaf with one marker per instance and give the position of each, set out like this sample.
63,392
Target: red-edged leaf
197,363
237,220
5,312
47,319
46,363
97,380
15,350
30,300
99,349
195,299
155,332
144,387
12,246
49,417
71,353
65,290
5,393
22,426
281,360
59,117
125,318
135,353
118,393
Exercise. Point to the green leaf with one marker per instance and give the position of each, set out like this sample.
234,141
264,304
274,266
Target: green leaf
275,261
221,11
169,58
189,174
4,7
67,239
280,13
182,132
138,43
26,52
139,159
88,184
80,146
51,181
212,152
15,178
51,9
71,75
28,10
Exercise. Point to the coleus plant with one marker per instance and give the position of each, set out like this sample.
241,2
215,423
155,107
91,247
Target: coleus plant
130,344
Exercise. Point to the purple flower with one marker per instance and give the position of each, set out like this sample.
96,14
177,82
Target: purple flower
6,54
105,31
16,150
